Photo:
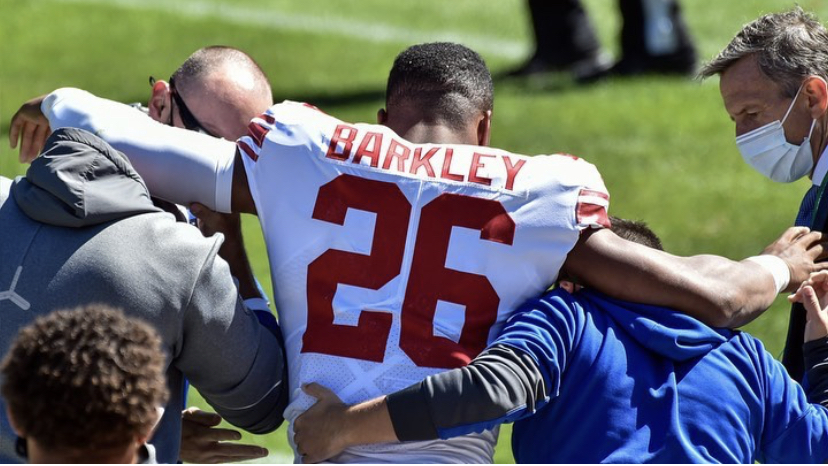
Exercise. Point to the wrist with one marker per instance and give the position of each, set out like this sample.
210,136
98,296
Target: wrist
778,269
367,423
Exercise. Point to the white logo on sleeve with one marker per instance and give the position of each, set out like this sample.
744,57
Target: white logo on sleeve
14,297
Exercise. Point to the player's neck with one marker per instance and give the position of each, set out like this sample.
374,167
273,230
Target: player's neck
38,455
422,132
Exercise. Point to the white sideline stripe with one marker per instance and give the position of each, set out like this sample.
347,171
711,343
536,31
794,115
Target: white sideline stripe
321,25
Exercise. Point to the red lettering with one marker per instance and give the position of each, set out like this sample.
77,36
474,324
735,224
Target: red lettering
420,160
257,132
475,165
366,271
347,142
512,170
399,152
375,140
446,174
431,281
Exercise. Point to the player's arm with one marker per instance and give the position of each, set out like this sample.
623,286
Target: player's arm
177,165
714,289
512,379
234,361
500,385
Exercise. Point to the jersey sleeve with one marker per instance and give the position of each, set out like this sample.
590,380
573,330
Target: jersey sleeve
284,130
592,206
517,375
796,423
177,165
578,188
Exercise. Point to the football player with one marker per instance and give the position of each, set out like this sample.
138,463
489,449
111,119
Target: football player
398,250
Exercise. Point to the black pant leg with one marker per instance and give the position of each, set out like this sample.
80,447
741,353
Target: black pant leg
563,31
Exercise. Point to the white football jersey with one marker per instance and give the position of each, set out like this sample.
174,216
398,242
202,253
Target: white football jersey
392,261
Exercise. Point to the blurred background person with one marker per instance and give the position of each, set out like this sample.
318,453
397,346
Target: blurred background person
85,386
654,39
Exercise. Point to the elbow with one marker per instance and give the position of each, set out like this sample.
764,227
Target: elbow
731,309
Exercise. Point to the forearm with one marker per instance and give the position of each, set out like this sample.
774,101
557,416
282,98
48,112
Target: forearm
816,366
233,251
177,165
500,385
713,289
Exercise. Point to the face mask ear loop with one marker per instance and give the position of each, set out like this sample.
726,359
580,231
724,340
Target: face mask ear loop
811,132
792,103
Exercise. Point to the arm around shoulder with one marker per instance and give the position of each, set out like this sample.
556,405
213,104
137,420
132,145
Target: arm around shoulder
716,290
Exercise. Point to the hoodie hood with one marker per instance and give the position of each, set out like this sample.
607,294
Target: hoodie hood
79,180
664,331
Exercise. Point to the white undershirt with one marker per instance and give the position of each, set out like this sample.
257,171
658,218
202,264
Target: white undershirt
821,168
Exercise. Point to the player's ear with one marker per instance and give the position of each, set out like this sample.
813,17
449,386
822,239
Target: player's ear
382,116
160,103
817,91
13,423
484,128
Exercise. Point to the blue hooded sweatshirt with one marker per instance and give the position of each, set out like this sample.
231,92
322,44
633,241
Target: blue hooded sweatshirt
630,383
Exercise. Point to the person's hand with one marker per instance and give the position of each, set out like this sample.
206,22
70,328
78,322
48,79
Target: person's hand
203,442
31,128
813,294
320,432
211,222
799,248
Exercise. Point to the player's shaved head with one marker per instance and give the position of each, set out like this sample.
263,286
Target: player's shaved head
224,88
447,81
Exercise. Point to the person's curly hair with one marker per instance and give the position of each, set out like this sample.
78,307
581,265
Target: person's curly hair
87,378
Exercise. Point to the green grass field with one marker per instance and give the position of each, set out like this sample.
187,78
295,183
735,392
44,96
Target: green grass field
664,145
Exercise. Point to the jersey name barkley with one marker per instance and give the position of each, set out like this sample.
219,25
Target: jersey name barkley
400,157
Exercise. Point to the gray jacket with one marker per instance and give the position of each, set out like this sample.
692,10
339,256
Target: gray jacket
80,228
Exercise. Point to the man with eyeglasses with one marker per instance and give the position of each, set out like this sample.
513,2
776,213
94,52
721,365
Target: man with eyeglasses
216,91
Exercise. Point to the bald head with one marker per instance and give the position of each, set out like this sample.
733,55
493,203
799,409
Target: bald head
222,88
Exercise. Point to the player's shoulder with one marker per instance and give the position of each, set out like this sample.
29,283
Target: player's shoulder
289,111
565,163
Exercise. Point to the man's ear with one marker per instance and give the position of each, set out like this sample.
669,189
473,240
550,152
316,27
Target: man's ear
817,91
13,423
160,106
382,116
484,128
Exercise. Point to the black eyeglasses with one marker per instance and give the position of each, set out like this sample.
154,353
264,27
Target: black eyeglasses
190,122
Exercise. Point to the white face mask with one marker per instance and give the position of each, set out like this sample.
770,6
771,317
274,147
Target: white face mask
767,150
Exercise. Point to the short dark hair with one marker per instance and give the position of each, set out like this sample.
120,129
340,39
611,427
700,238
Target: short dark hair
209,59
635,231
450,80
788,46
88,378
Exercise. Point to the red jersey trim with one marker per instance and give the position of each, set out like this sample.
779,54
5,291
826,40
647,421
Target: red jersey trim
247,150
589,212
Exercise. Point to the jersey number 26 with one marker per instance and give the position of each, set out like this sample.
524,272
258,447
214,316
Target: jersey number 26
429,279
